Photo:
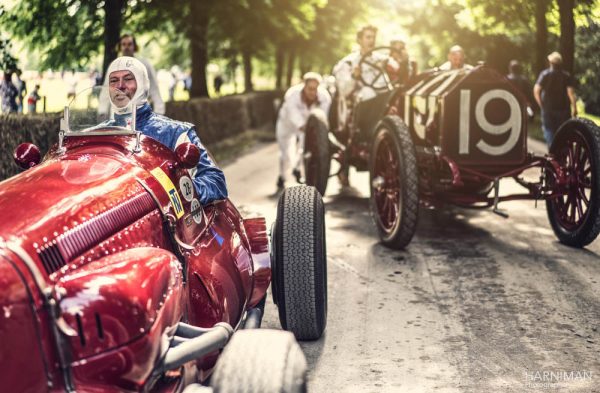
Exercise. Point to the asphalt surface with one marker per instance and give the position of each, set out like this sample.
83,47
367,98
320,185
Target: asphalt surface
476,303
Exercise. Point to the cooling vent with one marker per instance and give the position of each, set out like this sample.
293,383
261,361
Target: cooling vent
76,241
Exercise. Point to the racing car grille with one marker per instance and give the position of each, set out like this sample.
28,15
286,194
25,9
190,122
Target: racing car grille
74,242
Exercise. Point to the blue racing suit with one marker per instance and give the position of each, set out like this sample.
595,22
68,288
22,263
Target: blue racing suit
208,179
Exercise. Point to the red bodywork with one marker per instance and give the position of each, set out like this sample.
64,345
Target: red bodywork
98,263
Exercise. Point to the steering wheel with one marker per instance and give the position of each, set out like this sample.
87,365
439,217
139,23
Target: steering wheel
380,70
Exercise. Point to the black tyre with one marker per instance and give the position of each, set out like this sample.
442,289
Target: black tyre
575,213
260,361
394,183
300,262
316,153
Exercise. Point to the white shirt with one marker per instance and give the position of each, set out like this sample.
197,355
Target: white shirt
294,112
447,66
346,84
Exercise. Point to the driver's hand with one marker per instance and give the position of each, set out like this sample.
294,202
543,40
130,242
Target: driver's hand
356,72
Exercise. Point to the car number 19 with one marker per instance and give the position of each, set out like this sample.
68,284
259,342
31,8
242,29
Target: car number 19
512,124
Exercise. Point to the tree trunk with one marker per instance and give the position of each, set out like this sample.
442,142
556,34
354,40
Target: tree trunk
290,67
279,60
113,11
567,33
541,35
247,60
197,35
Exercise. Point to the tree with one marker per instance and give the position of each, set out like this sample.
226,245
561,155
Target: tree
7,60
587,65
68,32
566,10
541,34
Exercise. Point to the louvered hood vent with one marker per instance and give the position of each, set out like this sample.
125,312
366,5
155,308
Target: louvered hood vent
76,241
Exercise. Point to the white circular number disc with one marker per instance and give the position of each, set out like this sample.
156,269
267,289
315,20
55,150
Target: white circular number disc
197,216
187,188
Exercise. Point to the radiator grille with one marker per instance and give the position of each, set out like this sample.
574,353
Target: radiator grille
81,238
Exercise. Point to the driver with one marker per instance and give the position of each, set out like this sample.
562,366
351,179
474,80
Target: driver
456,60
128,82
348,73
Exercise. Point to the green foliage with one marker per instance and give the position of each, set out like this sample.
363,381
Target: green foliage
65,32
327,42
489,30
587,65
7,60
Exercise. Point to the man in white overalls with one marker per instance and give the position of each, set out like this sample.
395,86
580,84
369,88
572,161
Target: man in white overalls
299,102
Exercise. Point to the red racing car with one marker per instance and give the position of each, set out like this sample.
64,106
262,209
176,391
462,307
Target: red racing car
113,277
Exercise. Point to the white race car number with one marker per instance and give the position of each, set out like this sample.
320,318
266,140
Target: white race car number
512,125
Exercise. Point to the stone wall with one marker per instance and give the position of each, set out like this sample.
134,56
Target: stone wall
215,120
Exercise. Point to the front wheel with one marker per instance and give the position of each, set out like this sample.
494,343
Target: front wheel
394,183
300,262
575,212
260,361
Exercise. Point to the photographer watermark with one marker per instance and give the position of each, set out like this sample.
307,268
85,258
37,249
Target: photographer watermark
554,379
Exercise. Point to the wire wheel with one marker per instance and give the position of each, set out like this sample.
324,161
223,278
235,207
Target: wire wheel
394,183
574,209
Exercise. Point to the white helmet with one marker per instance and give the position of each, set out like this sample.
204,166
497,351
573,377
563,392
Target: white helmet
138,69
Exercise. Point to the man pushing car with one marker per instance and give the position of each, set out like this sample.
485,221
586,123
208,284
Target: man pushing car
128,83
300,101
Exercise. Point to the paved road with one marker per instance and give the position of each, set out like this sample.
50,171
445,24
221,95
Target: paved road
477,303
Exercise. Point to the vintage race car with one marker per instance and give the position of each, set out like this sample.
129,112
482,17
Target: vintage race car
114,278
450,137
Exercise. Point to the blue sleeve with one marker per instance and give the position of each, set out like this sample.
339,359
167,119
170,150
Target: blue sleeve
208,179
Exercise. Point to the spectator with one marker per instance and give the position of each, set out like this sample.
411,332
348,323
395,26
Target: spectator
71,85
21,89
9,94
516,77
187,82
456,60
128,47
217,83
174,72
95,78
32,99
299,102
554,92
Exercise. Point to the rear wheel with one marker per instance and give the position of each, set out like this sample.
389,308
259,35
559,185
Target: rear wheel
575,213
316,153
260,361
394,183
300,262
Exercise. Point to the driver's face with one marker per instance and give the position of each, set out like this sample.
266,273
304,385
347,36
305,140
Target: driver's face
456,59
122,87
367,41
